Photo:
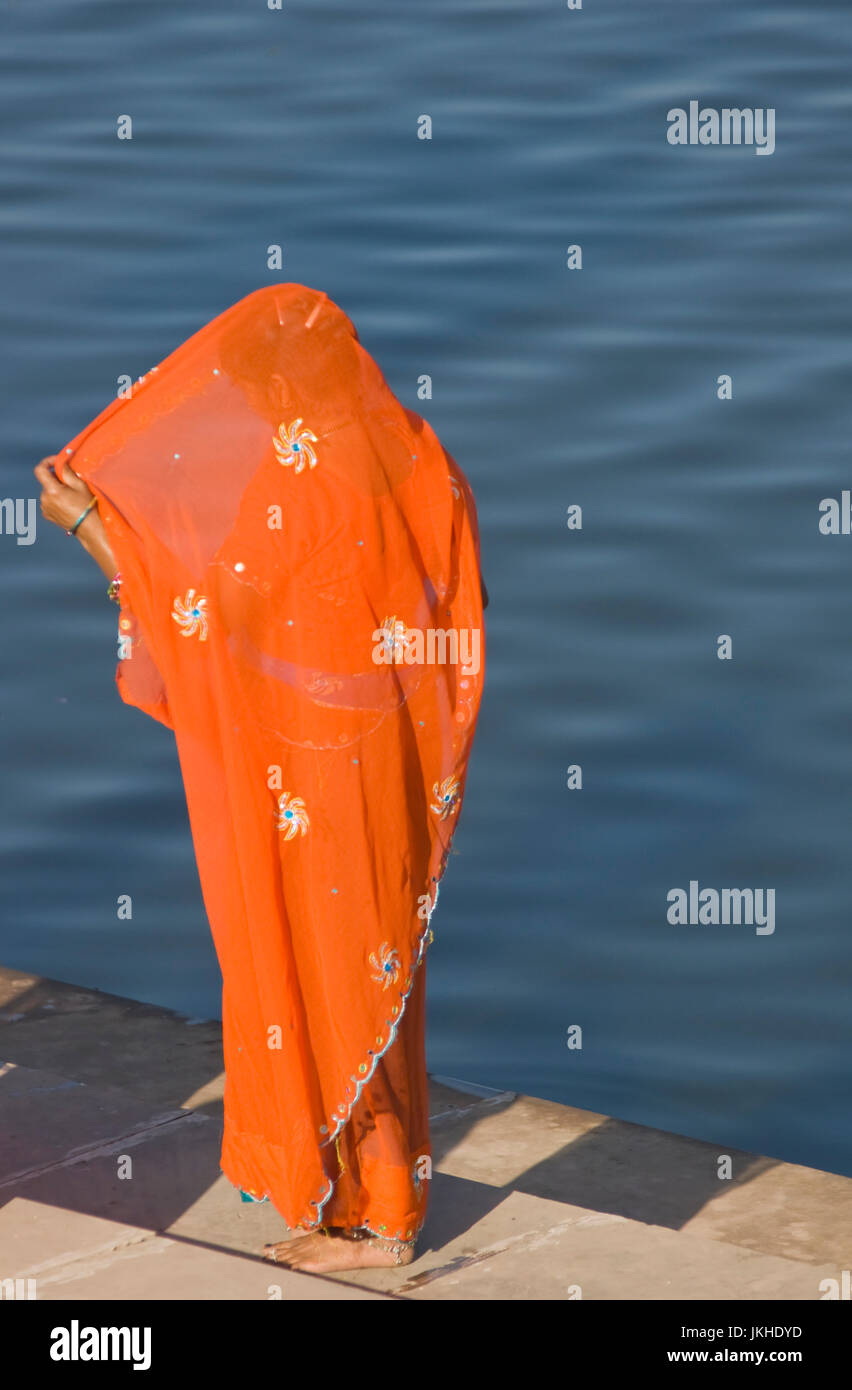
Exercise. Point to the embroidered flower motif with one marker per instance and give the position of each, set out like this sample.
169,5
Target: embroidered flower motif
292,815
386,965
446,796
190,614
293,446
396,639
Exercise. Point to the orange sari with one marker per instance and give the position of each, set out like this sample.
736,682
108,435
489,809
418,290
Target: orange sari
301,605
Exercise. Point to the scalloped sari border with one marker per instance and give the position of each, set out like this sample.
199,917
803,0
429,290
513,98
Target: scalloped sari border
421,945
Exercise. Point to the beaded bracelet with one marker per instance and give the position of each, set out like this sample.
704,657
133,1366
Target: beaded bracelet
82,517
114,590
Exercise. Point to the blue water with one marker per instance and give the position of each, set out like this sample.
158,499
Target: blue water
551,387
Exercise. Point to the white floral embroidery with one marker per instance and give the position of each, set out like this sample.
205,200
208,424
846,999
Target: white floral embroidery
293,446
292,816
190,614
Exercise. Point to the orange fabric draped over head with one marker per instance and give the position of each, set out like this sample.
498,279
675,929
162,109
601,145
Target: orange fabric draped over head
301,604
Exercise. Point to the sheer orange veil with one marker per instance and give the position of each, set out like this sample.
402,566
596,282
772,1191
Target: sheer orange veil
301,604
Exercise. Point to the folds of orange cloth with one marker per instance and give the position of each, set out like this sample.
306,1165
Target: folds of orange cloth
301,604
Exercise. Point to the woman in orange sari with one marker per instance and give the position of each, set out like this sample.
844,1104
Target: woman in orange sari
296,560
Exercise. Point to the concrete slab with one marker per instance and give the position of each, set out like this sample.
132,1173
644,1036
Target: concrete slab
782,1209
110,1184
164,1058
35,1236
47,1117
536,1249
647,1175
121,1264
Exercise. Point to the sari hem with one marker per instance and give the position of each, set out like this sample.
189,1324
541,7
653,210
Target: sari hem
249,1195
413,1229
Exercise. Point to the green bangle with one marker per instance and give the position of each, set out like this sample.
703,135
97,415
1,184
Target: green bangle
82,517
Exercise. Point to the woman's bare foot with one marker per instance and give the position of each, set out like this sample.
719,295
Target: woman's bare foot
321,1253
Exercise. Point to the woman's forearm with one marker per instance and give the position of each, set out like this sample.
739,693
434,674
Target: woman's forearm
92,536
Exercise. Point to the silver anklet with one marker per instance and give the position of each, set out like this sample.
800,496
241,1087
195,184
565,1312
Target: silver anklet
390,1247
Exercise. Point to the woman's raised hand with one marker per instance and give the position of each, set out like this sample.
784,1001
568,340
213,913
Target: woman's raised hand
63,500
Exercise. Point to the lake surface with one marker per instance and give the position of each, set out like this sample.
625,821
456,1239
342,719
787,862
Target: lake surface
552,387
